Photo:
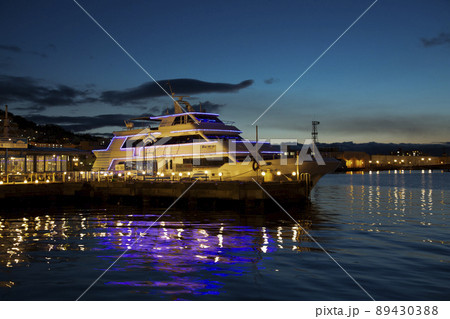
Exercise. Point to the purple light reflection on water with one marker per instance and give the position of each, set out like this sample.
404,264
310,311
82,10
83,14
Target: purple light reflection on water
183,251
182,257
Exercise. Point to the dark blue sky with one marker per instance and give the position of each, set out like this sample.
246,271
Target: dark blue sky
387,79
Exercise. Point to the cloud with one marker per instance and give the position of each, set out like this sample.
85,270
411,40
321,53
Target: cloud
270,80
179,86
84,123
442,39
37,95
34,95
52,47
208,106
16,49
10,48
205,106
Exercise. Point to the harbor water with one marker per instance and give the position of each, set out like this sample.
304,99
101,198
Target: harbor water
389,230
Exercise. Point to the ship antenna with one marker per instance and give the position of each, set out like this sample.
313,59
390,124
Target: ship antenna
170,88
178,104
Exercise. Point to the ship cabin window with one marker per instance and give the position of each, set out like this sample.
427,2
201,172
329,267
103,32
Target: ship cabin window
209,119
265,157
206,162
184,119
224,137
178,120
138,142
185,139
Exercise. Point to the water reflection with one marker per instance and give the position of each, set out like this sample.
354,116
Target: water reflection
180,246
390,201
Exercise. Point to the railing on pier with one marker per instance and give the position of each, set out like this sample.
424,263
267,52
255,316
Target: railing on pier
86,176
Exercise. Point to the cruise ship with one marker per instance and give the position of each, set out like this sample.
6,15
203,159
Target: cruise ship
191,144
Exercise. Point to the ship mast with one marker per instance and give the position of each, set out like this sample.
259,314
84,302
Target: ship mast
177,105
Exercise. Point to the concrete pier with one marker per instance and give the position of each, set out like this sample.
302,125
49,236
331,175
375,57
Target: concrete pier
153,193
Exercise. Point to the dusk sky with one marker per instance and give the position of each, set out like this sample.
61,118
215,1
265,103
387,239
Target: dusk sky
386,80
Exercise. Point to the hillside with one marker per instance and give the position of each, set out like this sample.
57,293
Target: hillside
49,133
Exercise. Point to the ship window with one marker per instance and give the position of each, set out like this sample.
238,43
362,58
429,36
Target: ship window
177,120
208,119
137,142
206,161
224,137
182,120
184,139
